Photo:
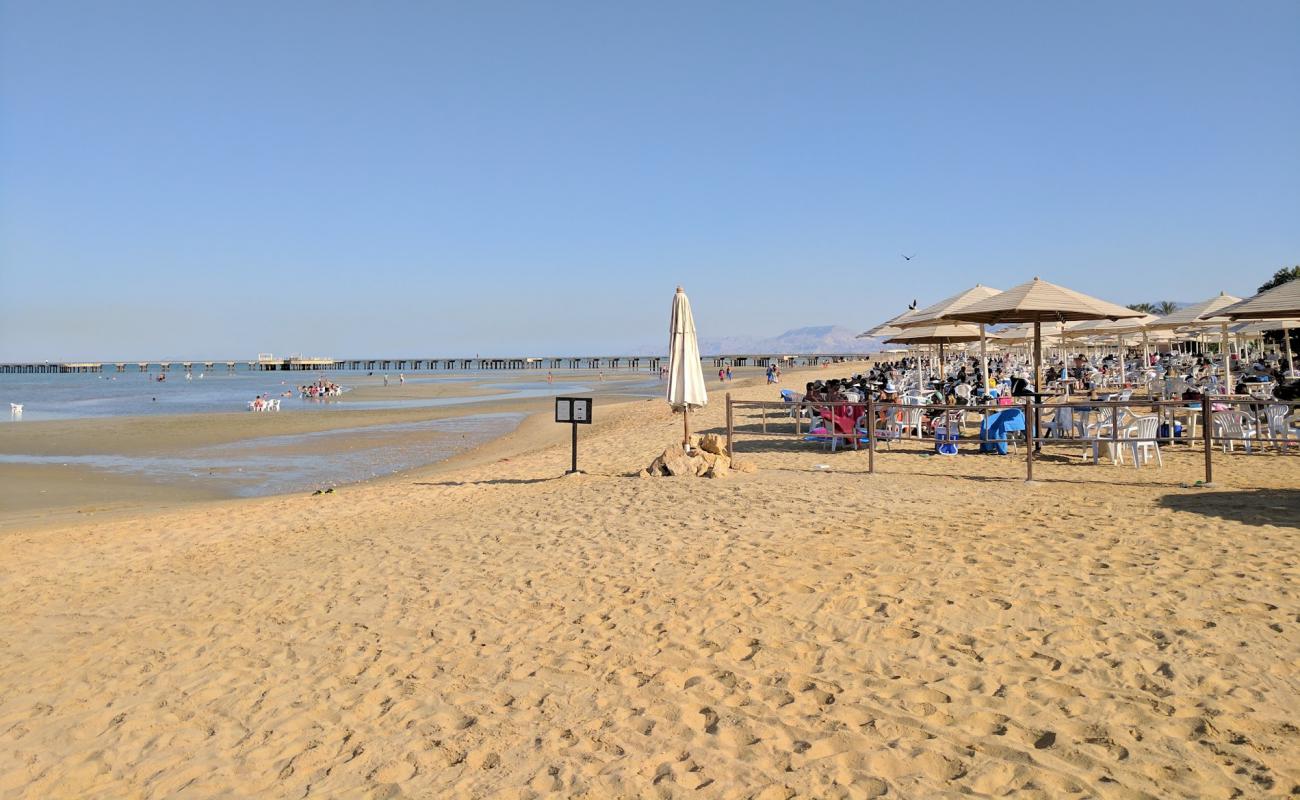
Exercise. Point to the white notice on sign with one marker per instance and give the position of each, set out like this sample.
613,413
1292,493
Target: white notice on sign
562,410
580,408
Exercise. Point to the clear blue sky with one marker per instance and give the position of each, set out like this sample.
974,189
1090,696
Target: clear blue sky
218,178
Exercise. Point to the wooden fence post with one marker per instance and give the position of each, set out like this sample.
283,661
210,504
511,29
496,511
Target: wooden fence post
871,437
731,430
1029,441
1207,419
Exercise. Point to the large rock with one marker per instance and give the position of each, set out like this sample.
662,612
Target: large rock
713,443
675,462
700,461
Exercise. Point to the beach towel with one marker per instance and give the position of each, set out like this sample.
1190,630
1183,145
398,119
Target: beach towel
996,426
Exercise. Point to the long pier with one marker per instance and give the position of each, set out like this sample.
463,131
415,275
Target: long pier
266,363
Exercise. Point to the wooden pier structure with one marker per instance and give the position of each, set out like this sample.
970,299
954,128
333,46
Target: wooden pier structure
265,362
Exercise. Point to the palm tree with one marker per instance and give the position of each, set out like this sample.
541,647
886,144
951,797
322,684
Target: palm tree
1165,307
1145,308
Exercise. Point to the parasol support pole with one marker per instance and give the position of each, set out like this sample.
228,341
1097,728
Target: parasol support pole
1227,359
1286,342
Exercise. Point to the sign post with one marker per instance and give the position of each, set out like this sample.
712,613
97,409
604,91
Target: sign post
575,411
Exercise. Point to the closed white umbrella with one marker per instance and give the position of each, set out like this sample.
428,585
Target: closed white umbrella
685,375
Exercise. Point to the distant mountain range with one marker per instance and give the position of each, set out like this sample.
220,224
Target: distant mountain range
814,339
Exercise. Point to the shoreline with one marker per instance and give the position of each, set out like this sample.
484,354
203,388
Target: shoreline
42,495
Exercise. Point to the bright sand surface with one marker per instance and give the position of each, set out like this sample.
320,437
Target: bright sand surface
487,628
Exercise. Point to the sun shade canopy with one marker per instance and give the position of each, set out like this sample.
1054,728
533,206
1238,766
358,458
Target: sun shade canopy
1280,302
937,333
1039,301
1191,316
935,312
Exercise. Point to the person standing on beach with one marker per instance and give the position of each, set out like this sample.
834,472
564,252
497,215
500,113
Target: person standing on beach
550,378
385,378
401,377
728,373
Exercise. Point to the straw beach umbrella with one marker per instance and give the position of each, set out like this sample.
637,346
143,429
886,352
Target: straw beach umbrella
1261,327
940,333
1205,314
1280,302
1119,328
889,327
1039,301
933,313
685,375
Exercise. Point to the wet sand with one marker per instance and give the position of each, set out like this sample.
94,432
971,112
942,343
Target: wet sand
41,494
489,628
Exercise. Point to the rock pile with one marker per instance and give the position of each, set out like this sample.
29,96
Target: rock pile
707,458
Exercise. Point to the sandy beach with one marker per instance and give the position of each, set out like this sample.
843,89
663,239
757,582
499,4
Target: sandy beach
488,628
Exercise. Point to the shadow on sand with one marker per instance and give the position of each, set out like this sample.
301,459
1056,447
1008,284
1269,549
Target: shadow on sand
1253,507
493,482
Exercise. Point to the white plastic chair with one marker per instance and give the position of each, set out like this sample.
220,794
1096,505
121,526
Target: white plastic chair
1063,423
1279,429
1231,427
1144,428
1109,418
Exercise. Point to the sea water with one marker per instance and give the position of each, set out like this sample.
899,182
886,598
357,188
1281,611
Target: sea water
275,464
299,462
78,395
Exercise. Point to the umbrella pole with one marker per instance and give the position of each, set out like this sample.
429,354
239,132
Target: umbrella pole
1227,359
686,426
1038,351
1146,353
1119,349
1286,340
984,360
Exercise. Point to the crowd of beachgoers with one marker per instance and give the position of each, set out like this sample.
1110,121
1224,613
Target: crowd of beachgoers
958,381
316,390
320,388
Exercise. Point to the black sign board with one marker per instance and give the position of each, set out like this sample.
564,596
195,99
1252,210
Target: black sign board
575,411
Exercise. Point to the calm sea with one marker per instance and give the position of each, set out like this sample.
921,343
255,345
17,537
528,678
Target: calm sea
272,464
71,396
